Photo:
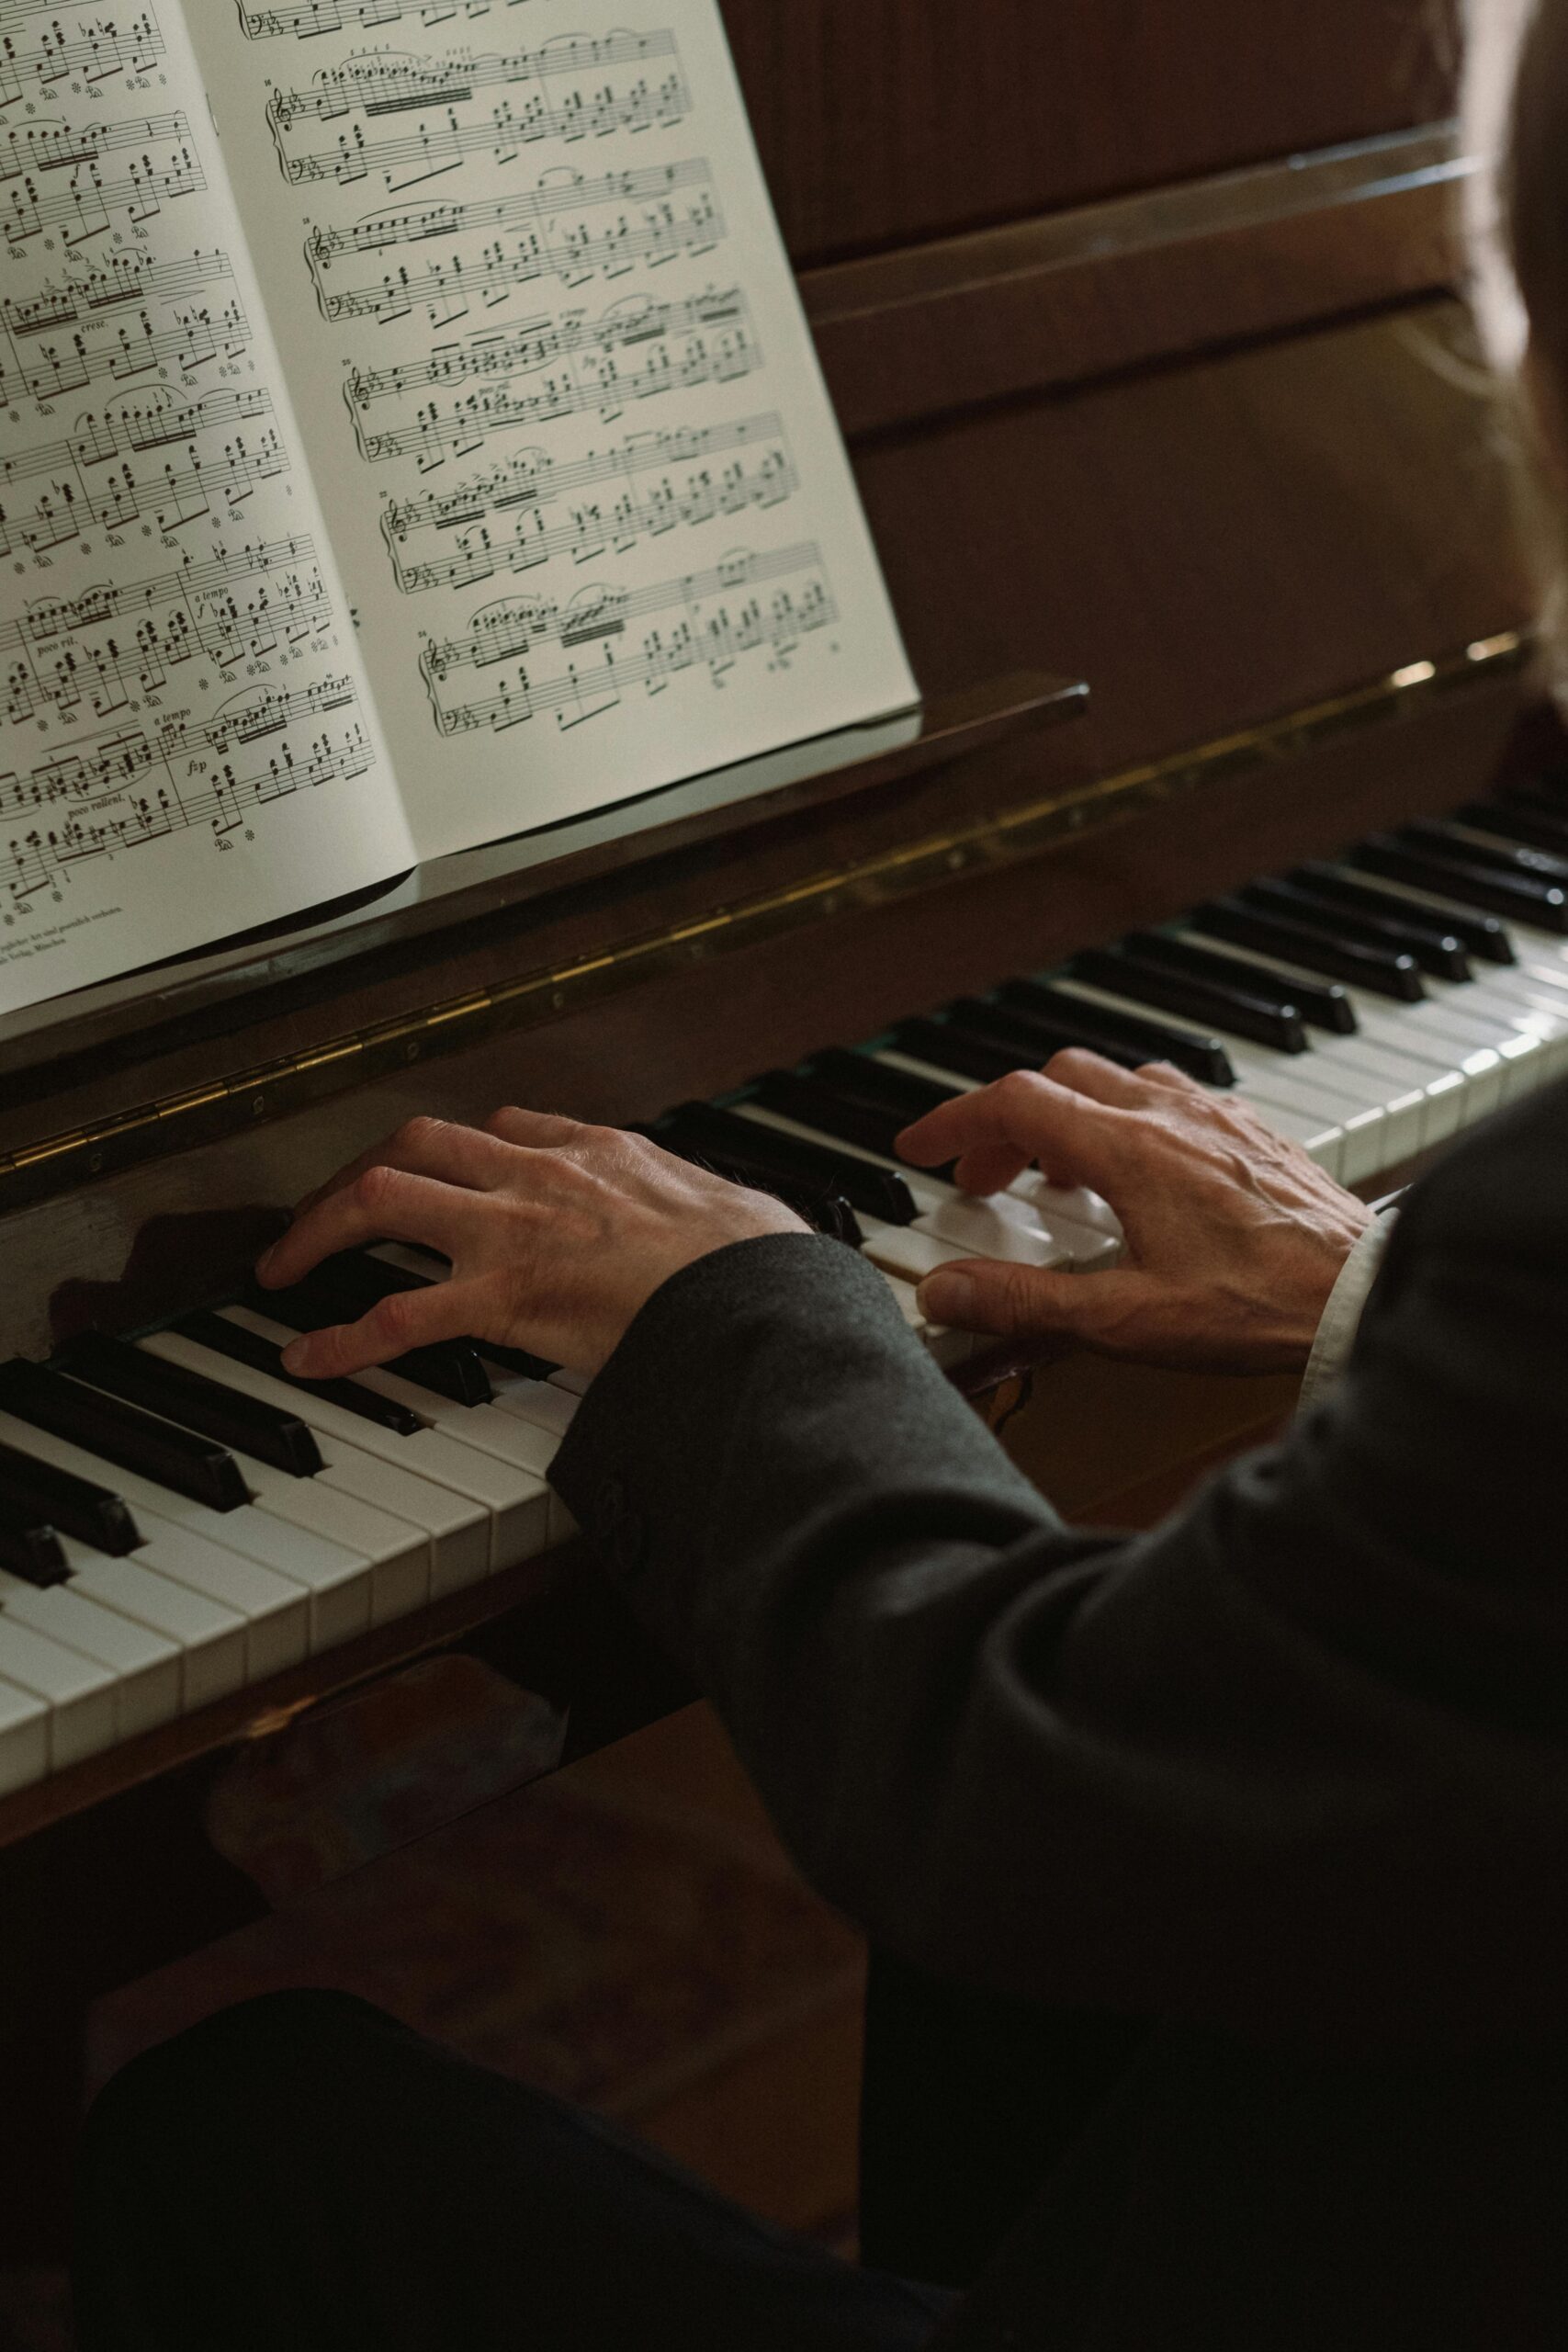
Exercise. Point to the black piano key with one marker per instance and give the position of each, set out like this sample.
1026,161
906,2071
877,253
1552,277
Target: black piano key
1520,820
701,1130
826,1212
1481,935
242,1345
983,1051
41,1495
1150,980
1380,971
180,1459
816,1102
1436,951
860,1078
1099,1025
344,1288
1508,857
1321,1004
196,1402
30,1547
1471,881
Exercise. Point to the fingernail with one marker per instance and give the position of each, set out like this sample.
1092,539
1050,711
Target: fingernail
264,1260
947,1298
297,1358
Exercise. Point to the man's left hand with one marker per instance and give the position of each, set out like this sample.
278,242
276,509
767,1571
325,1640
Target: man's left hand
557,1234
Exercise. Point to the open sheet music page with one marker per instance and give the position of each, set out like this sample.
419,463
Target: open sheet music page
186,747
580,472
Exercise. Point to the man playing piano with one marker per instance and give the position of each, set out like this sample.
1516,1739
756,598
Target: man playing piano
1273,1801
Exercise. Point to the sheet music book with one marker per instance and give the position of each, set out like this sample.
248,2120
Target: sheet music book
410,436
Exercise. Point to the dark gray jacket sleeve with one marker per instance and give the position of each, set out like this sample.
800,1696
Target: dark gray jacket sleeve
1295,1761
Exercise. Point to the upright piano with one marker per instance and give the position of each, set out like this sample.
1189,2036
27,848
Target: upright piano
1142,325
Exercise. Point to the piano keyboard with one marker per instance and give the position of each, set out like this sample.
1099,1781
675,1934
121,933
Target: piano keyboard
180,1521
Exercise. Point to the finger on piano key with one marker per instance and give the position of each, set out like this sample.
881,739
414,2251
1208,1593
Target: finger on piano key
522,1447
83,1716
478,1515
145,1666
30,1547
1002,1226
1078,1219
122,1434
24,1739
522,1384
336,1576
231,1340
332,1295
210,1638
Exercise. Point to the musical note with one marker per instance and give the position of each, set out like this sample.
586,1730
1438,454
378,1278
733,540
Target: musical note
441,141
702,475
72,332
580,385
92,477
126,791
101,47
249,604
383,82
305,19
713,632
520,351
555,236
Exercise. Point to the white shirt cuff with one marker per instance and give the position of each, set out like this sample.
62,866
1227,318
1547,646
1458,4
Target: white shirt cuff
1342,1315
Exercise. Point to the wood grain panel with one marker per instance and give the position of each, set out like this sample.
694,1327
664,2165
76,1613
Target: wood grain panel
1206,544
883,122
1071,296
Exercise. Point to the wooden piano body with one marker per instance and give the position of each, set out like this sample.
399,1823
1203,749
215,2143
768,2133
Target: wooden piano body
1142,323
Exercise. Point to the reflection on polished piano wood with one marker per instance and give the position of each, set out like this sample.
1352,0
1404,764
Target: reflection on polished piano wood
1149,370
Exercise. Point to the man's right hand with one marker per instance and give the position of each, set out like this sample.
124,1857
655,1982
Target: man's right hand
1234,1237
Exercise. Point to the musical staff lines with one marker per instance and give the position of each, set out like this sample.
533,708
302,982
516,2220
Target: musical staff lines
593,379
67,336
92,475
721,619
497,521
307,20
247,604
444,136
163,165
129,790
664,210
101,47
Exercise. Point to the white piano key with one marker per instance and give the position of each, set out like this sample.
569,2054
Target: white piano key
336,1576
145,1666
210,1638
575,1384
439,1463
541,1402
84,1718
399,1551
24,1739
275,1609
907,1252
400,1475
1001,1228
